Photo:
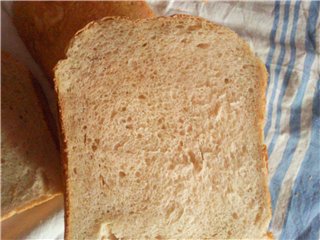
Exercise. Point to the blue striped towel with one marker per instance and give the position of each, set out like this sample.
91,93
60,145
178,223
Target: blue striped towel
286,35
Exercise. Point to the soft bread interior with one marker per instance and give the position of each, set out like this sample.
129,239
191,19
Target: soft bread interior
163,129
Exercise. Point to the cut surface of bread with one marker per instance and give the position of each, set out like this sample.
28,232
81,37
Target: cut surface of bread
162,122
47,27
30,162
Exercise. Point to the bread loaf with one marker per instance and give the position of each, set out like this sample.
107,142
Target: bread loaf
47,27
30,163
162,132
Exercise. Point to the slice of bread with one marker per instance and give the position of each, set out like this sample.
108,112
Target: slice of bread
47,27
162,122
30,163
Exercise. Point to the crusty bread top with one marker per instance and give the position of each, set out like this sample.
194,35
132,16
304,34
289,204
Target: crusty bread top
30,167
163,123
46,27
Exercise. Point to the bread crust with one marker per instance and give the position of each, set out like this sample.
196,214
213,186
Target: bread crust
64,162
29,205
263,77
47,27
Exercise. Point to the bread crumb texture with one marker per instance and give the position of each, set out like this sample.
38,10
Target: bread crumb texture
163,130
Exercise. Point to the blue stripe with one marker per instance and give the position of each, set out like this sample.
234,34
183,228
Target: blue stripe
303,215
295,116
286,77
278,66
272,38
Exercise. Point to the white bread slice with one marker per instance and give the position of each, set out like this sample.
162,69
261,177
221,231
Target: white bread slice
30,167
162,131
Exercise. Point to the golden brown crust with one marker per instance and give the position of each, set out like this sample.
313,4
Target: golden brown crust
261,109
64,162
260,106
29,205
46,27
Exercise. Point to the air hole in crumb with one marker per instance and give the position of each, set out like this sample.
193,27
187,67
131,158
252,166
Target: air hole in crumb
123,109
137,174
117,146
214,110
75,171
84,127
235,216
257,219
171,167
102,181
250,90
129,119
142,97
194,27
113,113
244,148
147,161
145,44
169,210
203,45
139,135
160,120
122,174
129,127
94,147
179,26
226,80
184,40
197,166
